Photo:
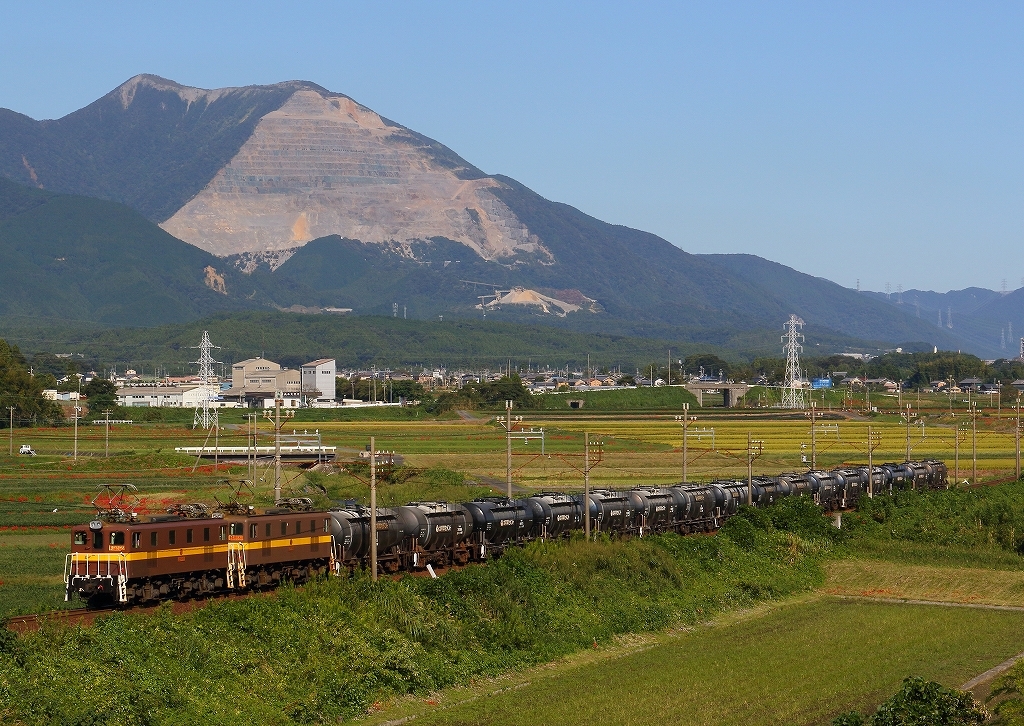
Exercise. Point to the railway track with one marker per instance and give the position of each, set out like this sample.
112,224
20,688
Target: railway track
87,616
77,616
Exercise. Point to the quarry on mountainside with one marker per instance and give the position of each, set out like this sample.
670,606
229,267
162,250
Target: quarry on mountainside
296,195
319,166
547,304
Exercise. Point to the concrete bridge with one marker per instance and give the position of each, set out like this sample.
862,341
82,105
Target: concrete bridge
731,392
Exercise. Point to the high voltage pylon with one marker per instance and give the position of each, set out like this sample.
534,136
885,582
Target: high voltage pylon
206,417
793,392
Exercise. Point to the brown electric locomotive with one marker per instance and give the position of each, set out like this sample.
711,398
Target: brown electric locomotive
123,560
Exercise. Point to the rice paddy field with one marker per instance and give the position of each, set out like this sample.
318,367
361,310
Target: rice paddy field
802,662
661,677
457,455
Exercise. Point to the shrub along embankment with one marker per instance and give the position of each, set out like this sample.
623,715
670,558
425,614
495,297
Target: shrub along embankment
332,649
986,522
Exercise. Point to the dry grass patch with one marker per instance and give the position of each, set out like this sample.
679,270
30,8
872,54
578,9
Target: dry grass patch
876,578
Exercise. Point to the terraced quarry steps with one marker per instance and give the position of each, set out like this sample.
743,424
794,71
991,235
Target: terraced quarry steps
323,165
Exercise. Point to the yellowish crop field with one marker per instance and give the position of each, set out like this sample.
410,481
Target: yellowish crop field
636,448
648,449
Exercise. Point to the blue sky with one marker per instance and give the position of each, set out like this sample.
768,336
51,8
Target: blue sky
871,141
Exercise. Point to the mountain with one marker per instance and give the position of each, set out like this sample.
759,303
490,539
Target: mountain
308,198
72,258
986,322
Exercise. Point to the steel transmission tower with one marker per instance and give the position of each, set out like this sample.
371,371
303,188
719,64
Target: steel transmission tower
206,417
793,392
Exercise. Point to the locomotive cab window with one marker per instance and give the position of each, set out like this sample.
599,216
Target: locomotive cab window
152,539
237,528
284,528
171,537
312,525
223,532
298,527
97,540
268,529
206,534
136,540
117,538
80,538
188,536
253,528
327,525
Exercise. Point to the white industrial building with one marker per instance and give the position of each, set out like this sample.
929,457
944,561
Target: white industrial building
168,396
318,380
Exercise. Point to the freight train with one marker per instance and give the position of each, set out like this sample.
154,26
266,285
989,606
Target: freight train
117,559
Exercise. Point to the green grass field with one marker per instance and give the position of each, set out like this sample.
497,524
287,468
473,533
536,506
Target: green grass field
800,663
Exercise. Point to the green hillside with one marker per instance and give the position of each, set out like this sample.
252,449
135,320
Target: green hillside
69,258
152,144
293,339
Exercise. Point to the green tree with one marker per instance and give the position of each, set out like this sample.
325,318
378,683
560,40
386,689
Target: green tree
101,395
495,393
711,364
921,703
22,391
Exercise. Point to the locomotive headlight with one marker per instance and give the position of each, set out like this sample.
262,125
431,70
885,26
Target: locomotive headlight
95,525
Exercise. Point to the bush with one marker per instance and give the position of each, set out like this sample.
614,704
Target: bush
922,703
328,651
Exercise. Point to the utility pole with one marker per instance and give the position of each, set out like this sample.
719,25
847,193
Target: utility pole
277,449
814,455
507,424
586,485
588,464
685,420
78,410
278,400
754,450
959,433
874,439
106,435
508,445
11,409
250,459
974,444
373,509
910,419
1016,437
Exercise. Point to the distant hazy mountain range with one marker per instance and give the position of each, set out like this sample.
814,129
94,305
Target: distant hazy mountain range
290,195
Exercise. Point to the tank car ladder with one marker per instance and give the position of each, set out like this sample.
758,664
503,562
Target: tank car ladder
236,565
